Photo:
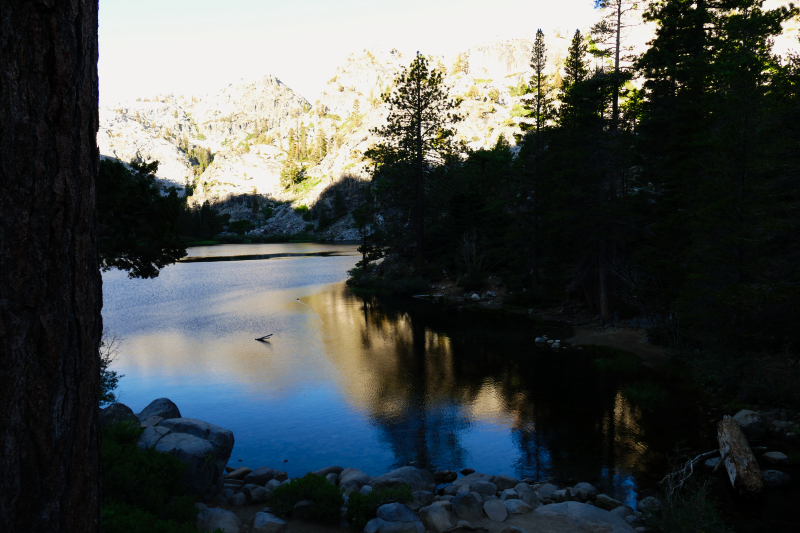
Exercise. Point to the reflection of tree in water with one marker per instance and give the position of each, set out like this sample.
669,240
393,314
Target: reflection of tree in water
422,371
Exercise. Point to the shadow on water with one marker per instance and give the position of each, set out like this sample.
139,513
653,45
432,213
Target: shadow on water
436,373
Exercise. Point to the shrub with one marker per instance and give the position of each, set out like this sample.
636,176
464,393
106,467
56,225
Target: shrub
328,499
143,491
361,509
647,395
688,509
472,92
494,94
240,227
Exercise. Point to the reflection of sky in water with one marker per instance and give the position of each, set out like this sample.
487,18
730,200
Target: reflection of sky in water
353,381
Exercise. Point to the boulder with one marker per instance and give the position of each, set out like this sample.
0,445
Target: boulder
445,476
528,495
257,494
266,523
333,479
417,479
584,517
329,470
238,500
377,525
203,447
484,488
775,479
239,473
162,407
472,478
517,507
351,479
467,471
505,482
301,509
649,505
281,476
585,491
447,504
226,494
260,476
635,520
395,512
116,413
509,494
712,463
272,484
436,518
512,529
777,458
467,506
216,518
754,426
606,502
623,511
151,421
495,510
422,498
365,490
547,491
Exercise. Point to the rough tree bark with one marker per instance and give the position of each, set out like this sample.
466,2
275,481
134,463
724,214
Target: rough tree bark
740,463
50,286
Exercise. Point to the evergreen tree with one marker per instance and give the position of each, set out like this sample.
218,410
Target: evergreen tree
575,66
416,139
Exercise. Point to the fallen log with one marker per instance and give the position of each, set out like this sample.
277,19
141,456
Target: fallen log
740,463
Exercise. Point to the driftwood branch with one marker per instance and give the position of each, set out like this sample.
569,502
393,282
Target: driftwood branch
675,479
720,463
740,463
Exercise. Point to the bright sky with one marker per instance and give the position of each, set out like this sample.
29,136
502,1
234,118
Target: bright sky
150,47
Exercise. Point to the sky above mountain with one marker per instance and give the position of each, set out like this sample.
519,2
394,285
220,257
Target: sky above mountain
157,47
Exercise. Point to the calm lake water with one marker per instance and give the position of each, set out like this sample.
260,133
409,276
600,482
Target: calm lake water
375,383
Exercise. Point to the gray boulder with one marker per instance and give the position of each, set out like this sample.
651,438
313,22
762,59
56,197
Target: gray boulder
754,426
151,421
606,502
272,484
712,463
116,413
417,479
585,491
333,479
260,476
505,482
512,529
329,470
509,494
365,490
162,407
302,509
239,499
517,507
635,520
547,491
775,479
584,517
226,494
777,458
203,447
395,512
623,511
528,495
378,525
467,506
484,488
266,523
239,473
351,479
495,510
257,494
422,498
649,505
216,518
472,478
436,518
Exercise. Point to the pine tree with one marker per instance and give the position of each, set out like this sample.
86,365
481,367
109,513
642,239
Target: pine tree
416,139
575,66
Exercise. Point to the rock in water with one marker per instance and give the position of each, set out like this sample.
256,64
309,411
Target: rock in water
116,413
266,523
436,518
216,518
467,507
584,517
162,407
495,510
754,426
777,458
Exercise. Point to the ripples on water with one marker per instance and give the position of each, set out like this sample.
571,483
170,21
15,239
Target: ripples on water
372,383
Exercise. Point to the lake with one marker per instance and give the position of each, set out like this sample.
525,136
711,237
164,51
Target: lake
377,383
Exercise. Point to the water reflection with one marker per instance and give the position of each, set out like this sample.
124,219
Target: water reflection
374,383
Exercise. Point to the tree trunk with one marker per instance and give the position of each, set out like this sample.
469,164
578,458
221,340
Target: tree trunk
741,465
50,286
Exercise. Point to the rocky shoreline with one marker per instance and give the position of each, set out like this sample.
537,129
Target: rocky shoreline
443,501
